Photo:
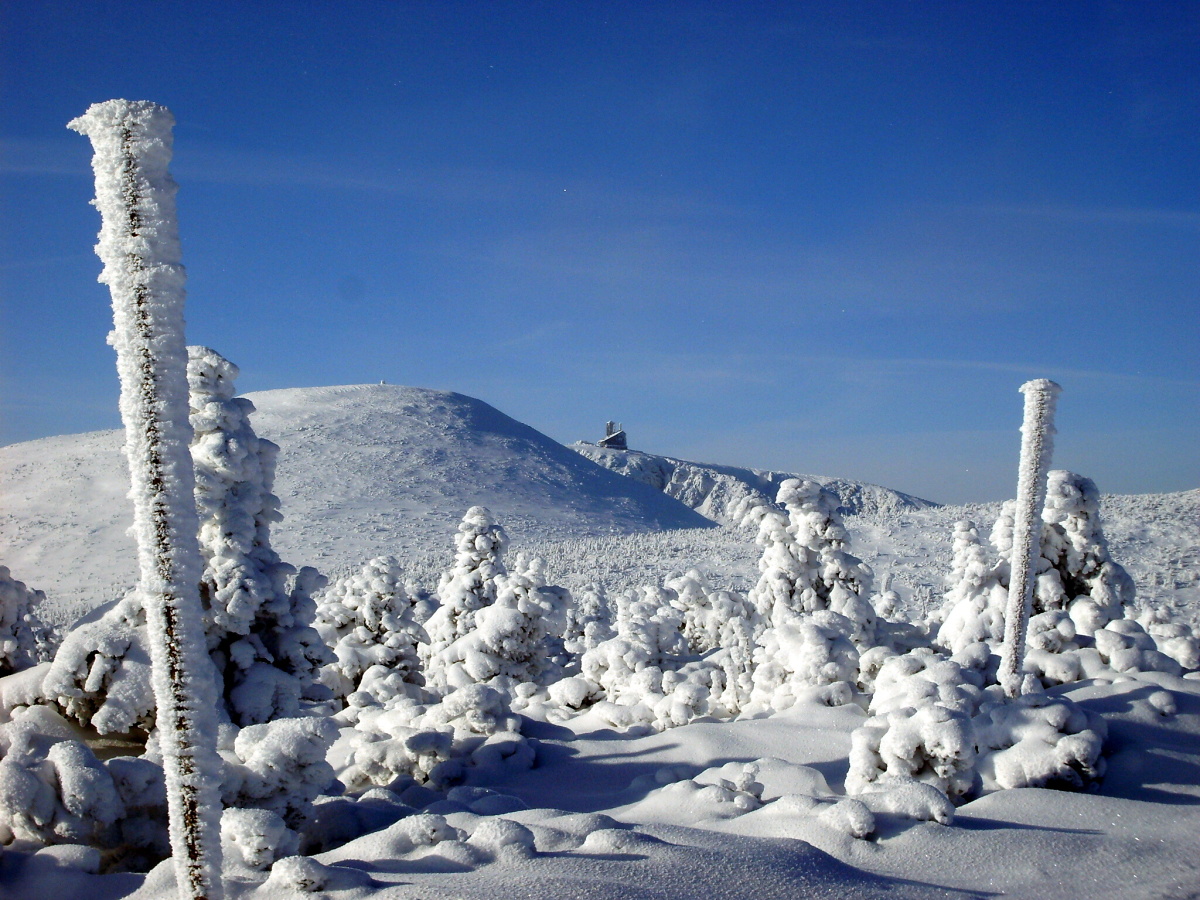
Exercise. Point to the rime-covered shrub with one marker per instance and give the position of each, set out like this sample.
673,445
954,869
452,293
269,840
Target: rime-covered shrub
467,588
803,652
495,626
507,644
973,611
256,837
811,599
368,620
100,676
931,744
1038,740
920,725
472,728
706,612
1127,647
1175,639
24,640
805,564
1095,589
259,609
278,766
54,790
645,674
588,622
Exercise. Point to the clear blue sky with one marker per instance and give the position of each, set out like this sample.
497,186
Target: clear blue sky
828,237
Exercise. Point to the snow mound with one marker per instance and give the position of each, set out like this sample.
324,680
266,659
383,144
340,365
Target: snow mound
729,495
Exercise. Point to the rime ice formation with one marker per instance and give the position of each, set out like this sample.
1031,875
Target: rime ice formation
734,496
24,640
259,609
367,618
1037,446
139,245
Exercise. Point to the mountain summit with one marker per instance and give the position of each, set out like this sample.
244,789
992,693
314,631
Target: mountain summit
362,470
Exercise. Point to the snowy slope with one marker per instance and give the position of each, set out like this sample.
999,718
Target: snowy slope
607,815
362,470
725,493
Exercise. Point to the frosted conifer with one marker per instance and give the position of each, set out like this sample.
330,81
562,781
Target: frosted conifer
467,588
805,564
973,610
259,608
24,640
367,618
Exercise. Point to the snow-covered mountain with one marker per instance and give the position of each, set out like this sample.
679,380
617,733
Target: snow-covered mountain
362,470
726,494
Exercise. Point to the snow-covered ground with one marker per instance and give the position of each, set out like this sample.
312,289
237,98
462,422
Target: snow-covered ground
754,807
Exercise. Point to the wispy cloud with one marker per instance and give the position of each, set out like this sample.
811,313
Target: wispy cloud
1115,215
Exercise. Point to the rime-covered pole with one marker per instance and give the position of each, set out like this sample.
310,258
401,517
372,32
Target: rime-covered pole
1037,445
139,246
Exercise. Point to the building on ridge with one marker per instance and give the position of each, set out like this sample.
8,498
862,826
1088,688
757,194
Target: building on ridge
614,437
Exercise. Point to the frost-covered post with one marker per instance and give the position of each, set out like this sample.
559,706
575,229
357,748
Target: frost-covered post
1037,445
139,246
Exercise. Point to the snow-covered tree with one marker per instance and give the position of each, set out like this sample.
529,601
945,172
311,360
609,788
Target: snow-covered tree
139,245
467,588
507,642
973,610
259,609
1093,587
588,621
367,618
806,565
24,640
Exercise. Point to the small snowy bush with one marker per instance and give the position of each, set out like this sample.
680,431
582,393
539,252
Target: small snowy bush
368,620
467,588
920,726
803,652
24,640
1038,740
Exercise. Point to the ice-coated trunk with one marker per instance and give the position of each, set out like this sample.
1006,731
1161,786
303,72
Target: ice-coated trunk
139,246
1037,445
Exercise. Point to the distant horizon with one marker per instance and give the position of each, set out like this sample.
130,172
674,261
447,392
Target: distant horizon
803,238
596,433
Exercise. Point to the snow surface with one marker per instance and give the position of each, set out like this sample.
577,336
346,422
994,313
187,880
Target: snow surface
724,809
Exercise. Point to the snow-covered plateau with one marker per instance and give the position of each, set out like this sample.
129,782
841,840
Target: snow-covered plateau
470,662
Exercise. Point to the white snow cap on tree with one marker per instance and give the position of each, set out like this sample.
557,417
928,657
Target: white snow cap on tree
368,619
24,640
805,565
467,588
259,609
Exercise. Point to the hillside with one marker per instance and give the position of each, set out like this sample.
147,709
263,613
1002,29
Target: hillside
726,493
362,470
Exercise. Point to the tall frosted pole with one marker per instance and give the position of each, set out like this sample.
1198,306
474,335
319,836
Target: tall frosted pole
1037,445
139,246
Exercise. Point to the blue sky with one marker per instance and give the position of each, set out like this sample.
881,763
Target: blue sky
822,237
